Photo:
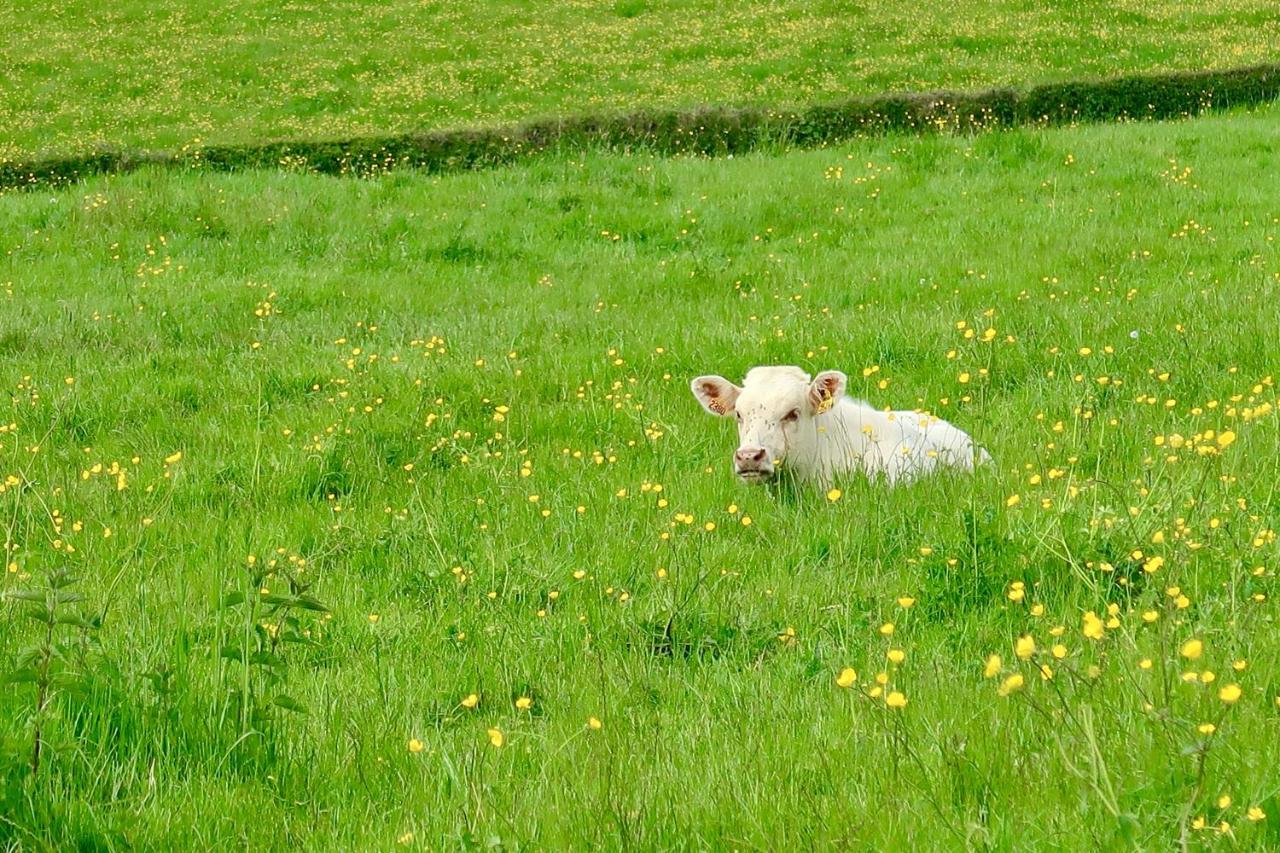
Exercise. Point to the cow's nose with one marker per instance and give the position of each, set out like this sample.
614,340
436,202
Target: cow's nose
749,455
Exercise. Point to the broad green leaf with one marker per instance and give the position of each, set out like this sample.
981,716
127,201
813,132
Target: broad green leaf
62,578
39,614
266,659
309,602
289,704
24,675
233,652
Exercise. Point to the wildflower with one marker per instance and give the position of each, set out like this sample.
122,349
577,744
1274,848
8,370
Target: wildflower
834,495
992,667
1012,684
887,629
1230,693
524,703
897,655
1206,728
496,738
1224,802
1226,438
1013,500
415,745
1255,814
895,700
1192,649
594,724
1016,591
847,677
1025,647
1092,626
906,602
470,701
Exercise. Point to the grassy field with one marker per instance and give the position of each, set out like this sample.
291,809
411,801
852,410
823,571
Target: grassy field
142,74
454,412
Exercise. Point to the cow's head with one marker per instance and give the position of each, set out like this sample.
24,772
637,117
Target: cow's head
775,408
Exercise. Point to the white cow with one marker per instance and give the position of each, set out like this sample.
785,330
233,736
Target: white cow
814,430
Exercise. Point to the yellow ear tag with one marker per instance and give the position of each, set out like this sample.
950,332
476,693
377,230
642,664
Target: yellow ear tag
827,402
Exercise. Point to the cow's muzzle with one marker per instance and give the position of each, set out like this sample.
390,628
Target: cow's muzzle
752,464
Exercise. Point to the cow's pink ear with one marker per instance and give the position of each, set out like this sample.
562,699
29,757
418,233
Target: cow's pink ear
716,394
827,387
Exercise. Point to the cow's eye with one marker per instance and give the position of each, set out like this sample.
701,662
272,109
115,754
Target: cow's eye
792,416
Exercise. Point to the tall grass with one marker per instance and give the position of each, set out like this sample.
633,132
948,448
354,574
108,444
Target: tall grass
455,408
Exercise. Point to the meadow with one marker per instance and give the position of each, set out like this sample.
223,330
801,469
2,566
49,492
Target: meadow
390,519
83,75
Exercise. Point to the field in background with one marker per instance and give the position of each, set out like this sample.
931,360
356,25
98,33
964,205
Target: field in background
139,74
456,409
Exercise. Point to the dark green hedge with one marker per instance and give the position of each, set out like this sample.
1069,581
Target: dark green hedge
707,131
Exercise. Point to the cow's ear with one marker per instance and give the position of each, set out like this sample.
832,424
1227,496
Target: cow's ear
716,394
827,387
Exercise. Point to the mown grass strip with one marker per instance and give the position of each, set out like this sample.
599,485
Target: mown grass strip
709,131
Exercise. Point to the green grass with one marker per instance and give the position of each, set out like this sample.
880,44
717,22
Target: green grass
161,76
304,340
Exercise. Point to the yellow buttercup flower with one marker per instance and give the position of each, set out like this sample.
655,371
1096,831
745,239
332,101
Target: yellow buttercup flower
1012,684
